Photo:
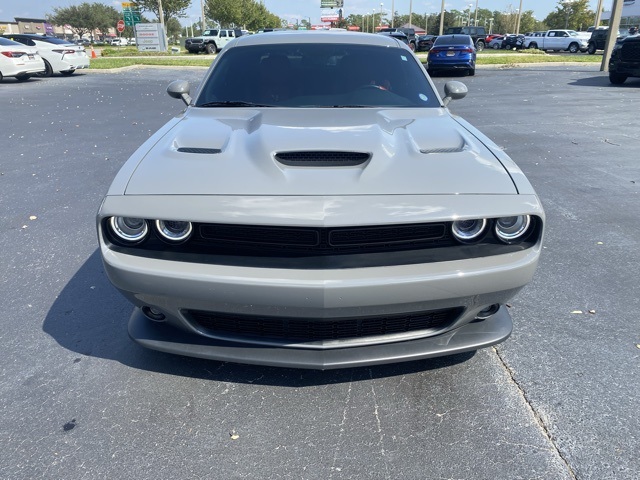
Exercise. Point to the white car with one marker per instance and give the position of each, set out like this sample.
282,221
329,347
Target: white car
119,42
18,61
59,55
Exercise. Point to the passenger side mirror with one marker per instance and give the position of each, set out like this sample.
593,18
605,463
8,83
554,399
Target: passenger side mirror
454,90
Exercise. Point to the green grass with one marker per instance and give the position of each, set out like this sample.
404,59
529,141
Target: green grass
114,57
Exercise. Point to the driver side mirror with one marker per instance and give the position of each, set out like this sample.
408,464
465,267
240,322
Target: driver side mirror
179,89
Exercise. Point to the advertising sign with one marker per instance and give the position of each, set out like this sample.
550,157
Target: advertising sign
150,37
331,3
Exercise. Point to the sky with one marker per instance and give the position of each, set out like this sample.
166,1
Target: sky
293,10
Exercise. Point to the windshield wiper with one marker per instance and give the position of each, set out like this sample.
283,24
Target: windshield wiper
234,103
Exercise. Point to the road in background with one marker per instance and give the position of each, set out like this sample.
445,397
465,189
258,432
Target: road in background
558,400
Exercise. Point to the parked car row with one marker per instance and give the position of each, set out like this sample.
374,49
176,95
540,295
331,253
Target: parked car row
27,54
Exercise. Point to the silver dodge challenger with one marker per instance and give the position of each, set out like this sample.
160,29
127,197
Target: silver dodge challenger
316,205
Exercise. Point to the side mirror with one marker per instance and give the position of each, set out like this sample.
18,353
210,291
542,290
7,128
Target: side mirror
179,89
454,91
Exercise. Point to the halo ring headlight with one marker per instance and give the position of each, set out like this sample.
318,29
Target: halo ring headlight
174,231
466,231
129,229
511,229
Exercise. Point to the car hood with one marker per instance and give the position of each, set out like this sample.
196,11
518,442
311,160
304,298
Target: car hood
234,151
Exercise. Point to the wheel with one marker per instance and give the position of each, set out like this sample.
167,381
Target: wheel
591,48
574,48
480,45
472,72
496,46
66,73
1,77
23,78
412,46
533,46
211,48
48,71
617,78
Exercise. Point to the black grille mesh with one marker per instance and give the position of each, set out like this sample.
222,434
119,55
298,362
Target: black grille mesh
322,159
631,52
310,330
199,150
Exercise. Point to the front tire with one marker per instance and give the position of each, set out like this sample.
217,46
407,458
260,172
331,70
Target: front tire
23,78
496,46
480,45
617,78
211,48
574,48
472,72
533,46
591,49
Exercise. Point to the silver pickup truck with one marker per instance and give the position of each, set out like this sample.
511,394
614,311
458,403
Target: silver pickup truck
557,40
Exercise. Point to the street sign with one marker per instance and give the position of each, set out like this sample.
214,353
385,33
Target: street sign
120,26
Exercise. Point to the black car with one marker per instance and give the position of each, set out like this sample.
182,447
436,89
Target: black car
412,39
513,42
598,39
425,42
625,60
398,35
478,34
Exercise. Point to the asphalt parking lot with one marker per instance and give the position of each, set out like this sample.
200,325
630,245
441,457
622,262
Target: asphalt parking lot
558,400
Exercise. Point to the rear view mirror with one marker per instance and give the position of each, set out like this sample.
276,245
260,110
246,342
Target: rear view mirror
179,89
454,91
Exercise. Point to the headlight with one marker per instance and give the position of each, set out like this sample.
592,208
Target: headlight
174,231
467,231
129,229
510,229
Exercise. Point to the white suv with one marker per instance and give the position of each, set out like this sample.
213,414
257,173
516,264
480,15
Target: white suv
59,55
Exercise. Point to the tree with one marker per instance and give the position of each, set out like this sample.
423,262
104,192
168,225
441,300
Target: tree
173,28
575,15
170,8
246,13
86,18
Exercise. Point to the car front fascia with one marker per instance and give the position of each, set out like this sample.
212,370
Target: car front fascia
173,287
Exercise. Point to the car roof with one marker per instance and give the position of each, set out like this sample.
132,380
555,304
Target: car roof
316,36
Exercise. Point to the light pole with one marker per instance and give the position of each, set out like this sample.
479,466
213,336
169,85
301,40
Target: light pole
392,11
469,16
441,18
381,5
366,22
373,21
519,16
475,20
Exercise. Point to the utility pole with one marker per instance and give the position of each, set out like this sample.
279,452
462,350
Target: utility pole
202,21
442,18
596,23
475,20
612,35
519,16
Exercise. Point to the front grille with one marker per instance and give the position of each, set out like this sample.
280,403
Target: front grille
324,241
630,52
322,159
319,329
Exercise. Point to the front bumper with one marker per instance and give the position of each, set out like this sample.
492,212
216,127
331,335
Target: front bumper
469,337
631,69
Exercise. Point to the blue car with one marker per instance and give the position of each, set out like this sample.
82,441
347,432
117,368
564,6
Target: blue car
452,52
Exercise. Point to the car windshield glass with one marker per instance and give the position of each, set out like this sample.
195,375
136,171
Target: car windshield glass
317,75
452,40
57,41
9,43
210,33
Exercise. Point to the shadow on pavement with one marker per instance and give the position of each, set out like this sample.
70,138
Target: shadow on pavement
90,317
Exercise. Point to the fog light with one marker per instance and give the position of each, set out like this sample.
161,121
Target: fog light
153,314
174,231
487,312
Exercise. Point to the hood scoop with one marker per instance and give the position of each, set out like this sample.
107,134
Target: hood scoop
199,150
322,158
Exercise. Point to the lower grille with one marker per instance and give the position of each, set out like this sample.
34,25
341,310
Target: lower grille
318,329
630,52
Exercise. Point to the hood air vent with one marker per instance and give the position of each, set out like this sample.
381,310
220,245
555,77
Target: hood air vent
322,159
199,150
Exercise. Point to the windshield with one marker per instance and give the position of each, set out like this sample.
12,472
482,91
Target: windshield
317,75
210,33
